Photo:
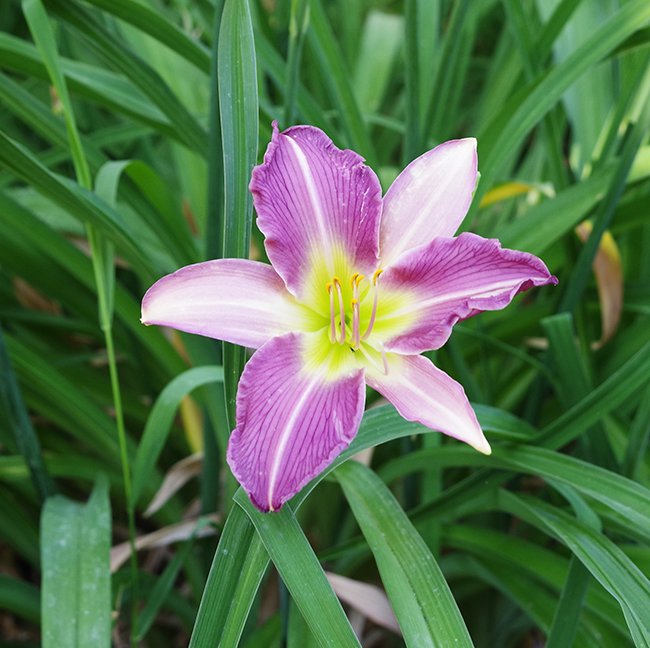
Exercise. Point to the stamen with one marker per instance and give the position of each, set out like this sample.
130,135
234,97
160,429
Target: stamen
356,278
337,283
373,313
328,287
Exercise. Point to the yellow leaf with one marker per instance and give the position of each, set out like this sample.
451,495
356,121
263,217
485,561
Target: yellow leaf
609,280
505,191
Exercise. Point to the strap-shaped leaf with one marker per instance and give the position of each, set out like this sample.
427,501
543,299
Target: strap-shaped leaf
75,543
424,606
239,106
161,418
606,561
301,572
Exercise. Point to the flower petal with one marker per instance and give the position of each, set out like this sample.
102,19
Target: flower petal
240,301
318,206
449,280
293,419
429,198
421,392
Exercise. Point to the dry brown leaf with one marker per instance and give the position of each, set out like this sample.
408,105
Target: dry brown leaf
177,476
609,279
369,600
162,537
32,299
365,456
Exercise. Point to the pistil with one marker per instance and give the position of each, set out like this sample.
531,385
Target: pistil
354,282
373,313
338,328
337,284
383,368
336,294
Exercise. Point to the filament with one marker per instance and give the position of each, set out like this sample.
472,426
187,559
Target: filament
328,287
375,296
336,281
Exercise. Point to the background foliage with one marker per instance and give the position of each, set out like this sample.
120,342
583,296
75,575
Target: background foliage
127,133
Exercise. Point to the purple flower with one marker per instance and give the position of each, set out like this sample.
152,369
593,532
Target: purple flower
359,286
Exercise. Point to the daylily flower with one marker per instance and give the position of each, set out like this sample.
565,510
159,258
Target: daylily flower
357,288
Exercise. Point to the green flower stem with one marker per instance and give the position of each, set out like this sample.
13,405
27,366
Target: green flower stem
124,455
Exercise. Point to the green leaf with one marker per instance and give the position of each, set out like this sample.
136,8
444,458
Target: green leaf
239,547
116,54
53,247
618,387
161,418
43,35
152,22
108,89
75,543
248,582
215,226
622,496
336,77
165,219
515,554
272,64
71,197
301,572
625,497
383,33
15,413
20,598
64,403
419,594
230,560
589,100
639,438
506,132
157,596
603,216
606,562
536,602
298,24
237,75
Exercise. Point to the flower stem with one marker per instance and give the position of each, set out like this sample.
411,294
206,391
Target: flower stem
126,476
102,259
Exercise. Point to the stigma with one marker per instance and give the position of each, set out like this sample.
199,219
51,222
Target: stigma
345,323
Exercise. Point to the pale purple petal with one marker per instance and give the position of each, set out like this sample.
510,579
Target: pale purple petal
292,421
451,279
421,392
239,301
317,205
429,198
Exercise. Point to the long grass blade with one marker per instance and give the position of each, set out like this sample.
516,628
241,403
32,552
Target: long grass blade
15,413
419,594
299,568
239,127
76,602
